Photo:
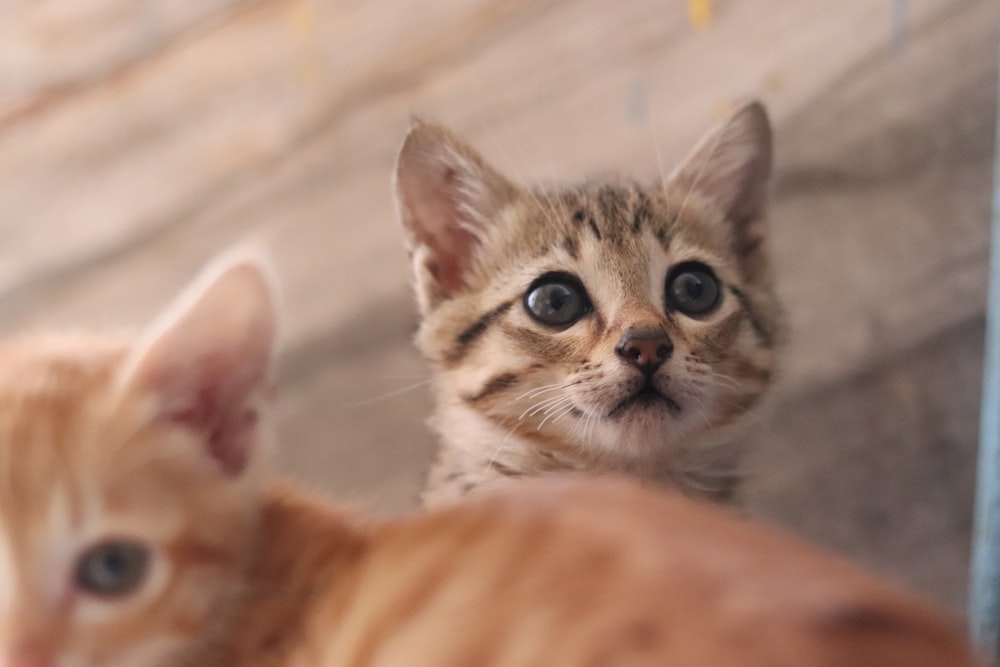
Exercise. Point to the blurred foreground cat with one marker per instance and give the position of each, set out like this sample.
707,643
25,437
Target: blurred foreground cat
606,326
137,529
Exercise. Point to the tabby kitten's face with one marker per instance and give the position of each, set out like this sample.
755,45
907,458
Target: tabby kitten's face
613,316
126,485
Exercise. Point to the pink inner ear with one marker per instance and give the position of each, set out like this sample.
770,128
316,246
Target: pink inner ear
208,360
213,396
433,215
452,255
228,432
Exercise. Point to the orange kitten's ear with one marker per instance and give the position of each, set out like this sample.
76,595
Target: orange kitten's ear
447,197
731,166
209,358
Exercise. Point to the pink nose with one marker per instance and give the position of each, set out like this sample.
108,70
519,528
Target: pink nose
645,349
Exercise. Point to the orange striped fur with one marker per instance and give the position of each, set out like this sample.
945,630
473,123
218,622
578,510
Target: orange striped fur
159,443
563,572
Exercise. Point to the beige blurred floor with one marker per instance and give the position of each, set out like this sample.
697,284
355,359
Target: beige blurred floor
138,138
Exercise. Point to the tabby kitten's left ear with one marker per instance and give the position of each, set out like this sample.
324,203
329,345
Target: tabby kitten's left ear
209,360
447,197
731,167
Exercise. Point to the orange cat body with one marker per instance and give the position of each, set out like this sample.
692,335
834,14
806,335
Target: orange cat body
563,572
137,529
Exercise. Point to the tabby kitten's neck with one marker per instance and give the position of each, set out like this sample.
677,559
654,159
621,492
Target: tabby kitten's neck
478,454
606,326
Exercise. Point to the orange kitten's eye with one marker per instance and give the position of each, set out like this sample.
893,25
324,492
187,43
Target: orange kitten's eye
693,289
557,300
112,568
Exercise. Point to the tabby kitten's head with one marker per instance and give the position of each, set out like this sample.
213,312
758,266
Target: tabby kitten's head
129,478
610,316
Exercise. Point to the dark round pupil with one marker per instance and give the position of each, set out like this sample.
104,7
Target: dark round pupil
555,303
691,286
558,297
113,563
113,568
694,292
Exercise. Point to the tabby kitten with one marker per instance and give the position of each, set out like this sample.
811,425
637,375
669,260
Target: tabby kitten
606,326
137,530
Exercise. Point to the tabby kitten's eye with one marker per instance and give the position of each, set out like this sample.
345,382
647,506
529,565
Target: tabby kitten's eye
112,568
693,289
557,300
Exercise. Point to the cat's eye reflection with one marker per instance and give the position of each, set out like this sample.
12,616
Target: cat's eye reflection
114,567
557,300
693,289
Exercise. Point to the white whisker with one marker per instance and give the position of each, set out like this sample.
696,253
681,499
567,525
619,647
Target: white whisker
557,405
396,392
541,405
565,410
548,211
659,158
493,458
531,393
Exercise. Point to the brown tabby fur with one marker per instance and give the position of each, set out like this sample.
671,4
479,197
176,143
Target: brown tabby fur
161,440
516,397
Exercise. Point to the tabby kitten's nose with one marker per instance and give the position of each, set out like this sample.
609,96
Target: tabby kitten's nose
646,349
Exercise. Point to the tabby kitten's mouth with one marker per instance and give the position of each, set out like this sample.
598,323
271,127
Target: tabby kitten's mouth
646,397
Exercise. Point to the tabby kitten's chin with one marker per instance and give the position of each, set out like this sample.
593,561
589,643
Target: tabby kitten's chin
602,326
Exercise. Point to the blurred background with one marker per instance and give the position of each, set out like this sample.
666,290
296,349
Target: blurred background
140,137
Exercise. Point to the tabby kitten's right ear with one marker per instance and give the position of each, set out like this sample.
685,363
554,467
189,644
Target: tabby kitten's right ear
447,197
208,361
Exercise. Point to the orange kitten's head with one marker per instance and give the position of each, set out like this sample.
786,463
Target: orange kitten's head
611,315
128,478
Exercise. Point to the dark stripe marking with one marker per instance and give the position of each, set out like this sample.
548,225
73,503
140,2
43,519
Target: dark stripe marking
593,228
571,247
762,333
643,211
492,386
505,470
475,330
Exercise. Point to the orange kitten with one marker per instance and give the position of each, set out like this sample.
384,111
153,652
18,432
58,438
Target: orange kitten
136,530
603,326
